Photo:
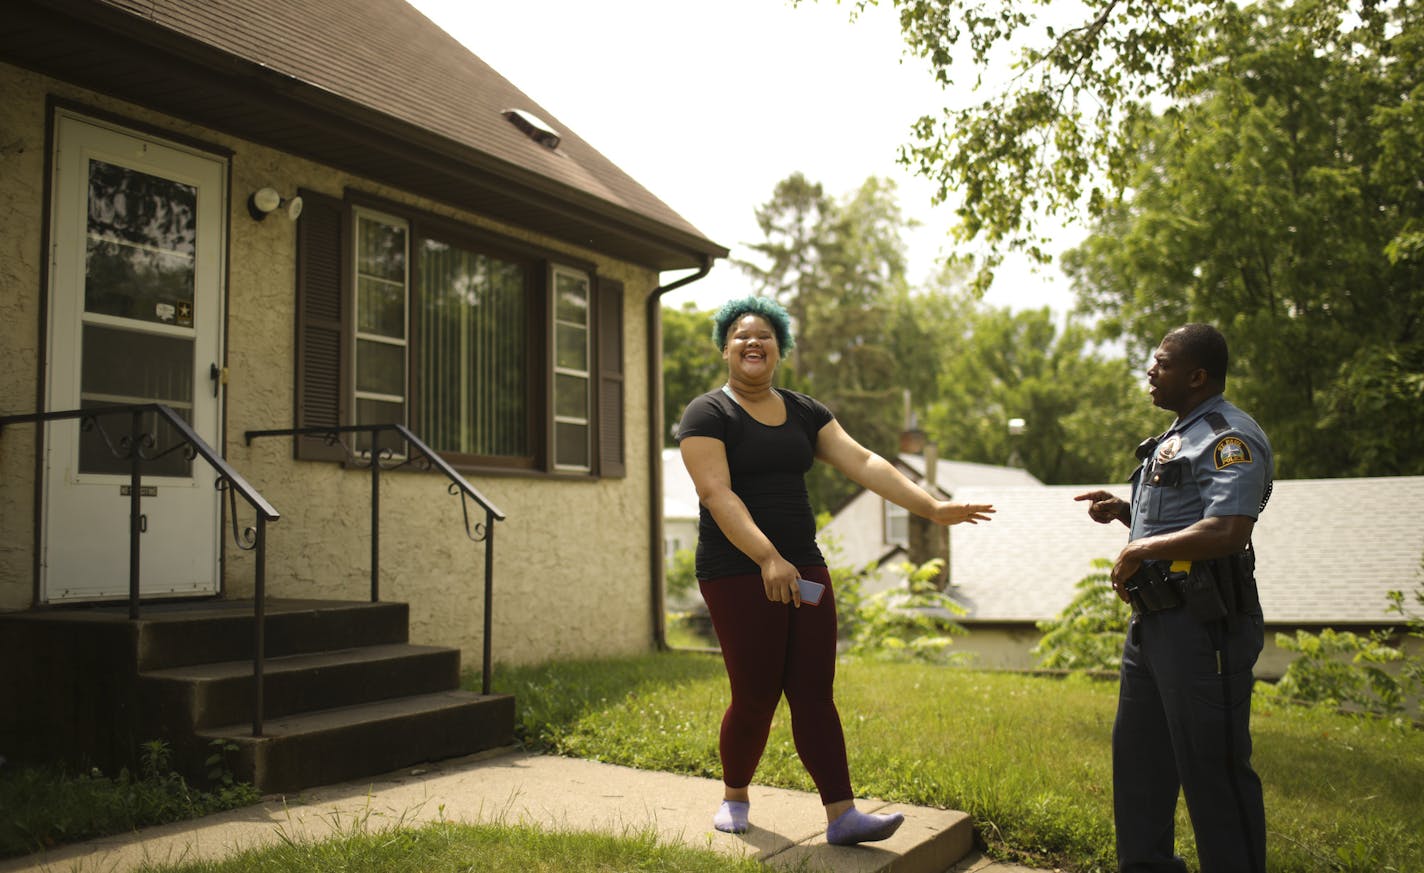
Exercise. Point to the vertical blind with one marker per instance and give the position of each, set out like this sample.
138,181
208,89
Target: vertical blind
473,349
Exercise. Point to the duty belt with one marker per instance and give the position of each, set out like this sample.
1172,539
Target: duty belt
1211,590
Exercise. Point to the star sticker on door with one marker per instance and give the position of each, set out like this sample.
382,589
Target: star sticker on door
185,313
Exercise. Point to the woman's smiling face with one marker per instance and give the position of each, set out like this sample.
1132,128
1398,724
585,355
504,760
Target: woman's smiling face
751,350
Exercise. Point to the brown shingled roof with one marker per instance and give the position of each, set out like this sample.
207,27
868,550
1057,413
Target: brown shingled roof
372,86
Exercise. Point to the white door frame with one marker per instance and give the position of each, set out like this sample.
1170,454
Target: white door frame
86,515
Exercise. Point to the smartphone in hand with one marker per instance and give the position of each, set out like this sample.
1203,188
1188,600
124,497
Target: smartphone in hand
810,591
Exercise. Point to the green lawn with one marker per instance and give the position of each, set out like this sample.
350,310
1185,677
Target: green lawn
1027,757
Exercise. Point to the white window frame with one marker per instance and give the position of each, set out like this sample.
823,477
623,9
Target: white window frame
585,375
358,214
896,517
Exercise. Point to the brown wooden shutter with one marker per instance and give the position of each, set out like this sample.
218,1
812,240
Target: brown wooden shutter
611,459
320,386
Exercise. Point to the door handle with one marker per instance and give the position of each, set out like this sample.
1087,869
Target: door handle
218,375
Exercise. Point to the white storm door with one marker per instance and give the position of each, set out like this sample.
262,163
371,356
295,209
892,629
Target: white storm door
135,316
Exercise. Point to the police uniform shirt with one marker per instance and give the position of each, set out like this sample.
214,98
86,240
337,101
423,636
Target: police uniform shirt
1215,462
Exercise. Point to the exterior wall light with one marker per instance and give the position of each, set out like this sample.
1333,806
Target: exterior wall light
266,200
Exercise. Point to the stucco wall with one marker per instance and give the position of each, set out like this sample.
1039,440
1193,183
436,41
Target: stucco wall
572,560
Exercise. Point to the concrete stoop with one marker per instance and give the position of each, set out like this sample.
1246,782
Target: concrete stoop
345,693
788,827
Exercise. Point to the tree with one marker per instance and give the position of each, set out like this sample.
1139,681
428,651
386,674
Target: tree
691,365
1280,204
838,266
1083,411
1061,133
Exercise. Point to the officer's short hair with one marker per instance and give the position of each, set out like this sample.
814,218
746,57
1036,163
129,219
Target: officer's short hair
1204,346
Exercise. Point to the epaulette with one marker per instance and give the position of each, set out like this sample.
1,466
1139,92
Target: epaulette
1218,422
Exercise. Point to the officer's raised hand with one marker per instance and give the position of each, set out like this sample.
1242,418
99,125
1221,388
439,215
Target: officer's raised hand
1105,507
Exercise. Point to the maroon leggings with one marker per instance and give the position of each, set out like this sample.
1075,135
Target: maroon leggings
770,648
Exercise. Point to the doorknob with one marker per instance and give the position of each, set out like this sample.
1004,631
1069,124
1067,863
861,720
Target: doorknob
218,375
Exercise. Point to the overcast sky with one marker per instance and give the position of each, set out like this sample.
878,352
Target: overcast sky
710,104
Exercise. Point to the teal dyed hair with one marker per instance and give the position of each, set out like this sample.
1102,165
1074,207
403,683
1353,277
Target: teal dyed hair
774,313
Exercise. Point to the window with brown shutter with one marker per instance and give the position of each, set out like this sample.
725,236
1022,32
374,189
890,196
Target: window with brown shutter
496,353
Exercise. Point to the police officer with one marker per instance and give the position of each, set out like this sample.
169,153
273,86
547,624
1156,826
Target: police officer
1184,702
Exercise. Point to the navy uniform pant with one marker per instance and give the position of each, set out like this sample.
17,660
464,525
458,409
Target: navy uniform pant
1183,721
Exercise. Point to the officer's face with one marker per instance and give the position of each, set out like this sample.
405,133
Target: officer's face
1171,378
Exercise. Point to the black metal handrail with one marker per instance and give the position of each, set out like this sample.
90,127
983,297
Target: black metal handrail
379,459
139,447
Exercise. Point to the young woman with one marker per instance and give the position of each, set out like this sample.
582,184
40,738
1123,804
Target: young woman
748,447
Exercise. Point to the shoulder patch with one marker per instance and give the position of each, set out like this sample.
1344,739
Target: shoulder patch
1231,450
1218,422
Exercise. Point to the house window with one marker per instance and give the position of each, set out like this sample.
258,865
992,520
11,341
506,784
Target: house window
493,352
572,360
897,525
382,283
474,345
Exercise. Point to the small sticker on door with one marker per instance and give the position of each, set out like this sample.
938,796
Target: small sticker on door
165,312
185,313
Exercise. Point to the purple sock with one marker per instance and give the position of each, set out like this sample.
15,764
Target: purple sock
731,817
854,826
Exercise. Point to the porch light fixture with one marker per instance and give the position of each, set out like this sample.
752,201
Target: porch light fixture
266,200
534,127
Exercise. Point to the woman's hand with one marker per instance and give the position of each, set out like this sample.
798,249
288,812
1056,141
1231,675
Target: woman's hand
947,513
778,577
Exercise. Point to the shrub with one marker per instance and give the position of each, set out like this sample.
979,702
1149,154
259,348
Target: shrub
1088,634
915,623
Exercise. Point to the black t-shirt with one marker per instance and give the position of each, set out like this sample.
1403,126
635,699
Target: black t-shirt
768,467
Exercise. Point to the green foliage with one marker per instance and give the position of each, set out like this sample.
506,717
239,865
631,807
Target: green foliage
1336,668
1027,757
1087,636
1083,411
1276,201
45,807
914,623
682,573
691,364
836,265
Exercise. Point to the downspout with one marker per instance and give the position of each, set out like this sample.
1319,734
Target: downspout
655,446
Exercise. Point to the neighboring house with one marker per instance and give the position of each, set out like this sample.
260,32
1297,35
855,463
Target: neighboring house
680,505
1329,551
869,528
462,264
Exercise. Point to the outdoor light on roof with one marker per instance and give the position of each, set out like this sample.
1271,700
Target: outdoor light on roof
534,127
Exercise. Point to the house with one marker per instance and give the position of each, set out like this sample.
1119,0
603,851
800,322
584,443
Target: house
321,216
867,528
680,505
1329,551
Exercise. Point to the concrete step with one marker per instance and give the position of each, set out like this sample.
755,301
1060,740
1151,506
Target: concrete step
222,630
207,695
319,748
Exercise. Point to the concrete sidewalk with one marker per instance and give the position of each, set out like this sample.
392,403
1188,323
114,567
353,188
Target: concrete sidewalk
567,793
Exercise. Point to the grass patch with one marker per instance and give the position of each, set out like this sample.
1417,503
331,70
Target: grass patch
446,846
1028,757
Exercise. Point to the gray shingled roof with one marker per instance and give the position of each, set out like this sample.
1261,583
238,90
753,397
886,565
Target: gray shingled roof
951,476
1328,549
369,85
